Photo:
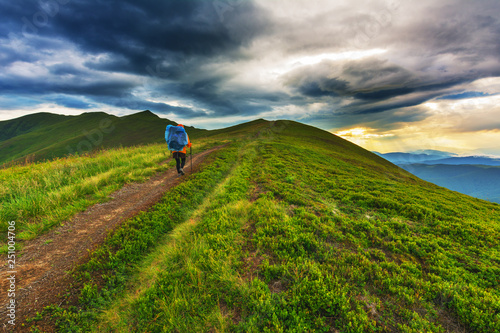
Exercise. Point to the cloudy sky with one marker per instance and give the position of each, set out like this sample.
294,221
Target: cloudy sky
390,75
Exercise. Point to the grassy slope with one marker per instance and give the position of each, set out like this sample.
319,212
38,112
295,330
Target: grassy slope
297,230
26,124
47,136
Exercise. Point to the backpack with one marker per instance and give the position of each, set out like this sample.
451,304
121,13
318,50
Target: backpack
176,137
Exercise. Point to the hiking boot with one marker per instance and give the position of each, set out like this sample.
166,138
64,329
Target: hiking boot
181,171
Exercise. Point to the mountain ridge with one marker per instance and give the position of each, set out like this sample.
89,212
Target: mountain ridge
439,157
43,136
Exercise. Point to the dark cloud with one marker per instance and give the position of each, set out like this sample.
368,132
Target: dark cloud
373,72
383,121
166,40
212,55
375,85
391,105
370,79
62,69
383,94
133,103
103,88
74,86
317,81
323,87
142,34
12,14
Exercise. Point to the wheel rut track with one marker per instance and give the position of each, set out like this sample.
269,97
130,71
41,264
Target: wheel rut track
43,266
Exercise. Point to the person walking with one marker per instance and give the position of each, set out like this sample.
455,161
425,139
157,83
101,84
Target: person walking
180,156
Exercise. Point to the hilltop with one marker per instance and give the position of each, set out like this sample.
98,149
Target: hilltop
284,228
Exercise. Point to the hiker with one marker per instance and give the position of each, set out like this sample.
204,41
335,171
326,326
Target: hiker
180,156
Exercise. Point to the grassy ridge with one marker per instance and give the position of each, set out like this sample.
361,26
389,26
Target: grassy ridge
47,136
42,195
26,124
299,231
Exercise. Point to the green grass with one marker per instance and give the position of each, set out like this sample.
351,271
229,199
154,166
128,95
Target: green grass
292,229
365,252
174,251
42,195
106,274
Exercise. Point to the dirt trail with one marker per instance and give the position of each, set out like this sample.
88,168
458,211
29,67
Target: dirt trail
43,265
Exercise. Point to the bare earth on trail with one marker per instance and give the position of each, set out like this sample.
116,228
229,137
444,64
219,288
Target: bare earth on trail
43,265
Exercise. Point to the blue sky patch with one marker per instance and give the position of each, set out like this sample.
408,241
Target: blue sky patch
466,94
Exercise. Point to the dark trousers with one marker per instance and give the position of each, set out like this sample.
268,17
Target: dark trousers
180,160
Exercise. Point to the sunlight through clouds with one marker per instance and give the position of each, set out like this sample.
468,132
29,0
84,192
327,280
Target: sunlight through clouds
407,73
349,55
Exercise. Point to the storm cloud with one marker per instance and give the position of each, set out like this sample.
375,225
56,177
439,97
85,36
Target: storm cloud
333,64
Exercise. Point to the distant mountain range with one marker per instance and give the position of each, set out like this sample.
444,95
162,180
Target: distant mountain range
477,176
469,160
405,158
439,157
479,181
